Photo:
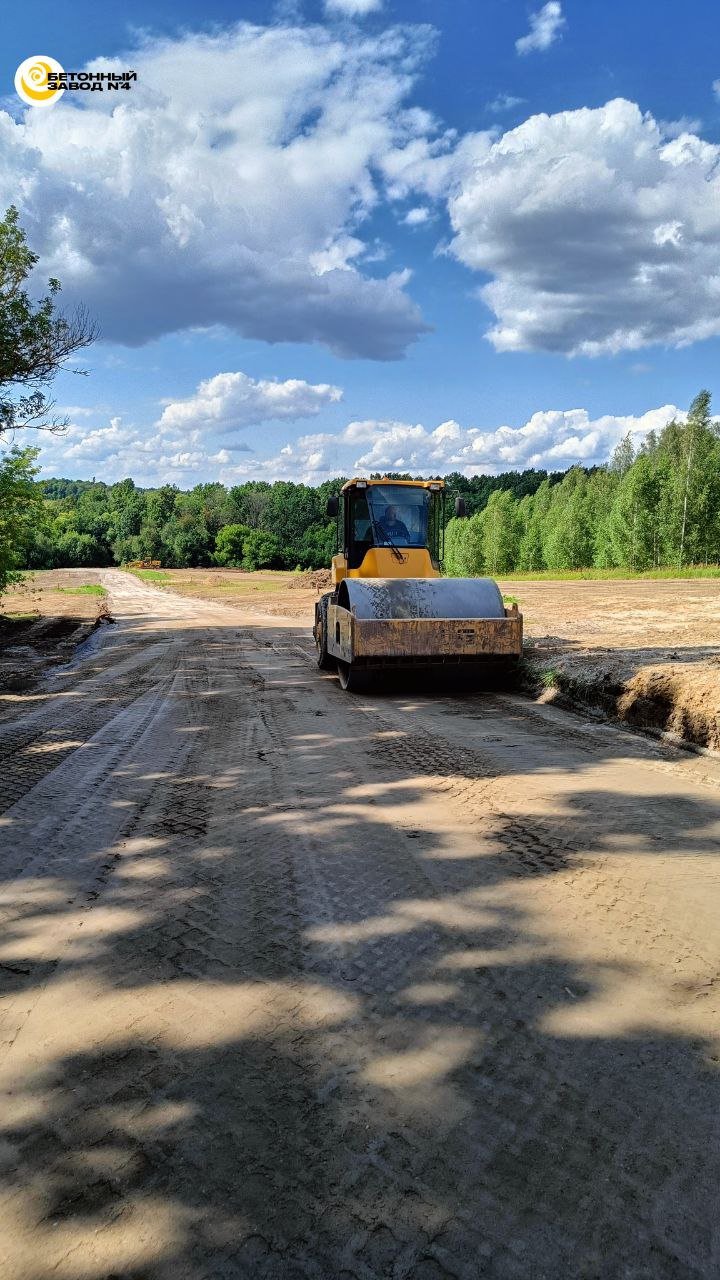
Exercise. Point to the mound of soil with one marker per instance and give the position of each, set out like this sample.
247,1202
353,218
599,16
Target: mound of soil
676,698
313,580
680,700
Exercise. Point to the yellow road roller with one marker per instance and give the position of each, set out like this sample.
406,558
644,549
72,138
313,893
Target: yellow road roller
390,607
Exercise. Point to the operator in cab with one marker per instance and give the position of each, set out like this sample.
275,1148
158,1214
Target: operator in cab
391,527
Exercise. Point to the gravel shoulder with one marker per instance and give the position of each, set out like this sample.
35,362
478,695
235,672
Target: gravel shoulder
296,984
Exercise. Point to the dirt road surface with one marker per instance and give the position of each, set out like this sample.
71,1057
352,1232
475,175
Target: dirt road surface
300,984
643,651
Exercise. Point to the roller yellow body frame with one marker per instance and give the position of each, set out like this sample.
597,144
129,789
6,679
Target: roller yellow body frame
390,606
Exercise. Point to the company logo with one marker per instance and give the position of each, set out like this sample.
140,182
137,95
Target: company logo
32,80
41,80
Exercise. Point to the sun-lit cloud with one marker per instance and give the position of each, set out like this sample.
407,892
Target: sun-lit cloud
550,439
553,439
118,449
545,28
230,187
599,234
417,217
683,124
230,401
353,8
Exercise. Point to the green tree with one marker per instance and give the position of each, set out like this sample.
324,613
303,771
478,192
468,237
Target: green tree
531,557
689,452
249,503
623,456
77,550
567,541
317,546
291,510
230,545
211,502
262,551
501,532
21,511
36,340
698,446
159,509
464,547
632,522
186,540
602,488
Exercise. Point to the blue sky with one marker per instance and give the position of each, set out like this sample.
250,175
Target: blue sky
367,234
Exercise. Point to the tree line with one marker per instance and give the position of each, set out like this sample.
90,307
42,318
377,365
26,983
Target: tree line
257,525
659,506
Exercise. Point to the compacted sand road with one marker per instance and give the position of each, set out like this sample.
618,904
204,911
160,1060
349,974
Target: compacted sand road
298,984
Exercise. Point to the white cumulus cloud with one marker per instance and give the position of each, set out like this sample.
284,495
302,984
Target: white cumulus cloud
122,449
545,28
599,234
684,124
228,187
352,8
552,439
230,401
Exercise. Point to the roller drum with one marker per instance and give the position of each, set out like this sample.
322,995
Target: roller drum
396,598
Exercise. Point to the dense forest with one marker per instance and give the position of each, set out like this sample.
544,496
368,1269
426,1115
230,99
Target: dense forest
658,507
251,526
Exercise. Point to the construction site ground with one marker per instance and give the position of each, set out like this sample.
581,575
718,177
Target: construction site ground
300,984
642,651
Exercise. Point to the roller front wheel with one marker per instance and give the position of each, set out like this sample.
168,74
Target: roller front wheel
352,680
324,660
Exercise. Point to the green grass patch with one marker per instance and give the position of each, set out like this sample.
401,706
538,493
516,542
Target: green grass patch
601,575
510,600
88,589
158,576
19,617
549,679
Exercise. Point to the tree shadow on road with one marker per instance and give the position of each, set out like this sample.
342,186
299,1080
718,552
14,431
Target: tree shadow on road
283,1026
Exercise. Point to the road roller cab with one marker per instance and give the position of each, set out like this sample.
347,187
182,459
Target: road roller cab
389,529
390,605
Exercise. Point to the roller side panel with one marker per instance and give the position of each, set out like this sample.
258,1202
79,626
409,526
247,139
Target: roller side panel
430,637
364,640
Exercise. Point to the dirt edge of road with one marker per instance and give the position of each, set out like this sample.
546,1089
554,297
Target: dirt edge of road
42,645
44,620
676,701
